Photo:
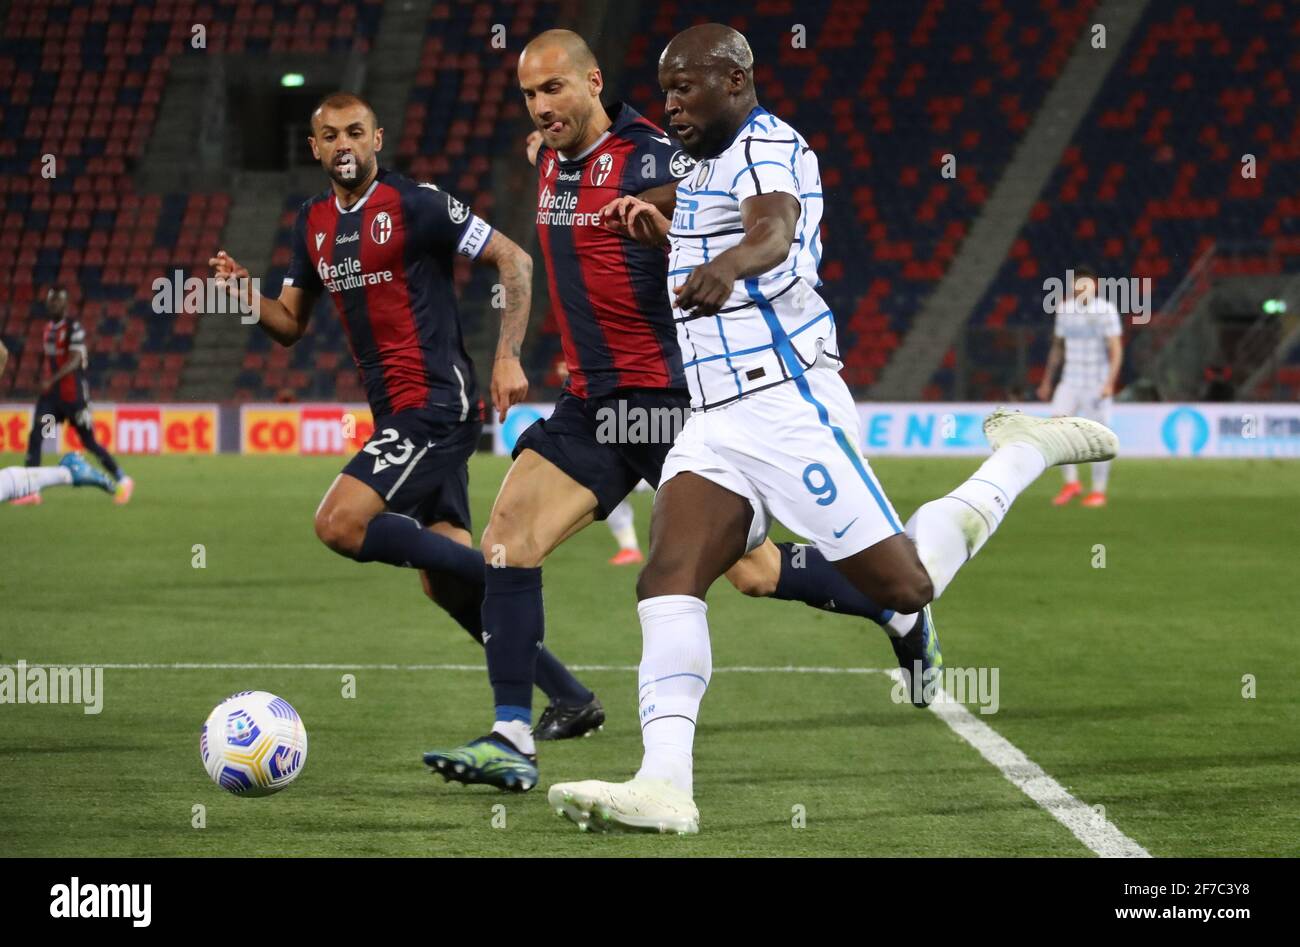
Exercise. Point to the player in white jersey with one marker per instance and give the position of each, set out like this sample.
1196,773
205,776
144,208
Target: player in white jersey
774,433
1087,337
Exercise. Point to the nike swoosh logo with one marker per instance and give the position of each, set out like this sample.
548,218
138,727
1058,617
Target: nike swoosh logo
839,533
664,140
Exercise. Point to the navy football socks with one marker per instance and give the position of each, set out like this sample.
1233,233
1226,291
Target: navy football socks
807,577
555,680
513,625
400,541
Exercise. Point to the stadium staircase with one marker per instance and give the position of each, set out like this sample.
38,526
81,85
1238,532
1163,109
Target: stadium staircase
947,311
255,228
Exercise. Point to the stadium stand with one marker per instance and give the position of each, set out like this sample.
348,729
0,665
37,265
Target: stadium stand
1153,177
81,80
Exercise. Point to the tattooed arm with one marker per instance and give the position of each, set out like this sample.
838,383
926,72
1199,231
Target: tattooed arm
509,385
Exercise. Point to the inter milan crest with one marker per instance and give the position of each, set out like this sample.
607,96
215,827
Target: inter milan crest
381,228
600,170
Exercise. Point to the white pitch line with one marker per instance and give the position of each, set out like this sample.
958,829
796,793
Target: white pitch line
1094,830
197,666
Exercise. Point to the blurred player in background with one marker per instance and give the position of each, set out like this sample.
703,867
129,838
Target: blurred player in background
774,432
72,470
383,247
622,523
1087,338
609,296
65,394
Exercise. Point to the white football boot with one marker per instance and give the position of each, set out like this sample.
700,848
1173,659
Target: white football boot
1059,440
638,805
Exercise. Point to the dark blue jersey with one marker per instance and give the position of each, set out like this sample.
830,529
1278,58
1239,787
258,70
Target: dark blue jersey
608,292
386,262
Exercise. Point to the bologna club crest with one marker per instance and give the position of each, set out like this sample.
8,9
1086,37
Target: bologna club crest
381,228
600,170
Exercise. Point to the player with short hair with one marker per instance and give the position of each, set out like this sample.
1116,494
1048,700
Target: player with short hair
624,359
382,247
65,395
775,431
1087,337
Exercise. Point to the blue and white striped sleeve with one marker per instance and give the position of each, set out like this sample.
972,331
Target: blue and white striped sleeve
770,165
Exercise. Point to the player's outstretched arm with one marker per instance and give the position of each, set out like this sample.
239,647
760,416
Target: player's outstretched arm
636,218
284,319
769,221
509,384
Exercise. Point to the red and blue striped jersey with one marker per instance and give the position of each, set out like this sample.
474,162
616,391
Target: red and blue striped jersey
609,293
66,339
386,262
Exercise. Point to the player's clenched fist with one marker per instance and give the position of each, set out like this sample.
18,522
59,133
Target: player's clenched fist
509,384
635,218
707,289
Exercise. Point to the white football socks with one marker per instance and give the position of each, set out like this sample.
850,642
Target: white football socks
18,482
676,664
950,530
621,522
1070,472
518,733
1100,475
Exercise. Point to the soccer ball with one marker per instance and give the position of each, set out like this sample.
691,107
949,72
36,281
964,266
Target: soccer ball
253,744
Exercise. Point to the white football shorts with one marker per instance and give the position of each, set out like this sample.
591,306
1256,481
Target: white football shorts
792,452
1080,402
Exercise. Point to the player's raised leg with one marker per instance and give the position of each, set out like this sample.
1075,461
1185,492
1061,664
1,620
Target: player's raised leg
947,532
72,470
698,531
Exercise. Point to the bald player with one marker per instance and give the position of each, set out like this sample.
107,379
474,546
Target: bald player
774,433
624,361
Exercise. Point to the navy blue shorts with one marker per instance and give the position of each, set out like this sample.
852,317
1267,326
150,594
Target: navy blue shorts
419,463
612,443
63,412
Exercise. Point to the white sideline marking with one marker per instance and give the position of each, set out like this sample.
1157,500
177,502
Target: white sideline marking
1097,833
789,669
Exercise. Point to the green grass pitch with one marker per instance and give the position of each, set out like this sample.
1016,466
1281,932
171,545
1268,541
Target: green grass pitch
1125,683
